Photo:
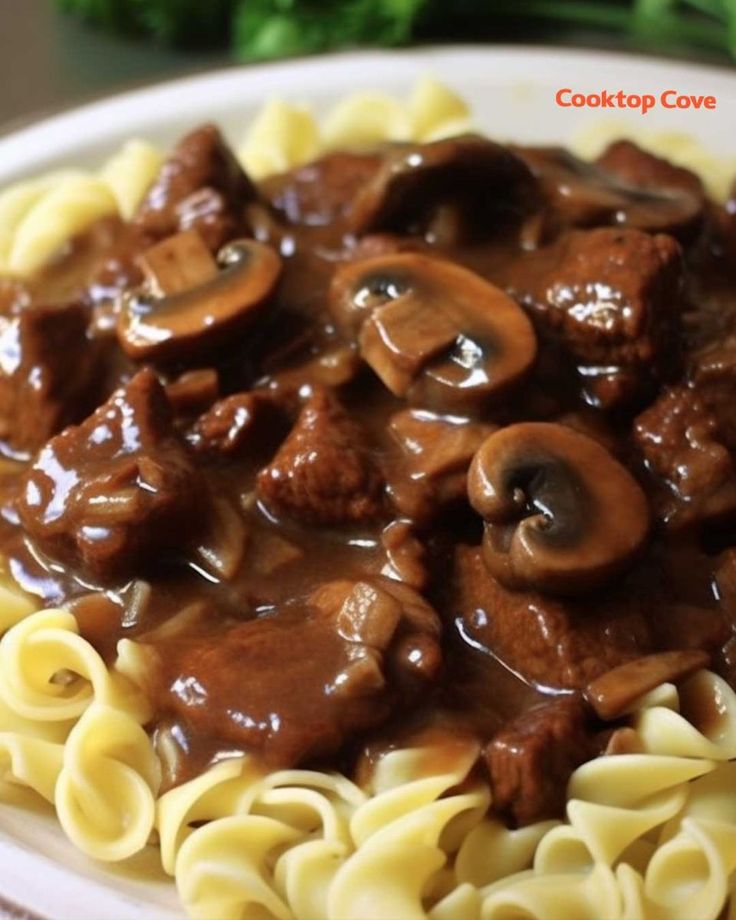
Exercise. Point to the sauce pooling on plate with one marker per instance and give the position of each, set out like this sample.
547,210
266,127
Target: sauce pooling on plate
433,441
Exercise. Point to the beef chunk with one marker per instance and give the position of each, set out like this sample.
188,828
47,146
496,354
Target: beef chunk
117,490
41,389
323,191
725,580
713,375
227,426
200,187
635,166
531,761
193,391
244,422
725,584
553,643
322,473
682,446
431,470
690,627
294,685
614,297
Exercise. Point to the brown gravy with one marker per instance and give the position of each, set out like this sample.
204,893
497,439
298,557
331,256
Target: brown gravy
248,654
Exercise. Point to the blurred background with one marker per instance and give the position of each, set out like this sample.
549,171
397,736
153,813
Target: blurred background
55,53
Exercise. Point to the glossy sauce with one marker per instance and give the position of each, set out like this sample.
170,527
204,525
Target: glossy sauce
274,694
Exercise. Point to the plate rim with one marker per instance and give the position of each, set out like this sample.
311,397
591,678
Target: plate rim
652,62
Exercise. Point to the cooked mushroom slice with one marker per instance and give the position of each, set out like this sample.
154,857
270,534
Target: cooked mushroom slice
582,194
561,514
189,301
614,692
390,618
432,331
449,190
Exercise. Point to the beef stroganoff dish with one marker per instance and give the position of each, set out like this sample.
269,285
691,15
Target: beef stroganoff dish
368,525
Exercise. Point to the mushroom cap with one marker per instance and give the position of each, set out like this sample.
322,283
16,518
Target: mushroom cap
561,514
584,194
489,184
434,332
188,321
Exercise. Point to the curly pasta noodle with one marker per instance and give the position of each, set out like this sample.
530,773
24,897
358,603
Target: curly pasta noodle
39,216
648,834
283,136
70,729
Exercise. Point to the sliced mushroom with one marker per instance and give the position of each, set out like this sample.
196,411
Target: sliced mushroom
434,332
582,194
405,555
448,191
612,694
189,301
387,618
561,514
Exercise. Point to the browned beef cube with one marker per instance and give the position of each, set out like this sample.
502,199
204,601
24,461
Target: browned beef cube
725,583
614,298
435,453
201,187
47,372
639,167
725,579
116,491
681,443
555,643
322,191
713,374
322,473
296,684
249,422
227,425
531,761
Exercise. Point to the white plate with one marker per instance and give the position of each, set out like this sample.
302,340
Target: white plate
512,92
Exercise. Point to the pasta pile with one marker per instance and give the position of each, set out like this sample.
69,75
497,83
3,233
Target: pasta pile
649,834
682,149
39,216
283,136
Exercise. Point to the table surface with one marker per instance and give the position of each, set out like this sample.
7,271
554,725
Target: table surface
49,61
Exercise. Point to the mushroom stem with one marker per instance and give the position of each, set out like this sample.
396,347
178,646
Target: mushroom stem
434,332
199,304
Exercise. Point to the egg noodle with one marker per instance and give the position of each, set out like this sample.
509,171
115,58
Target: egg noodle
650,833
